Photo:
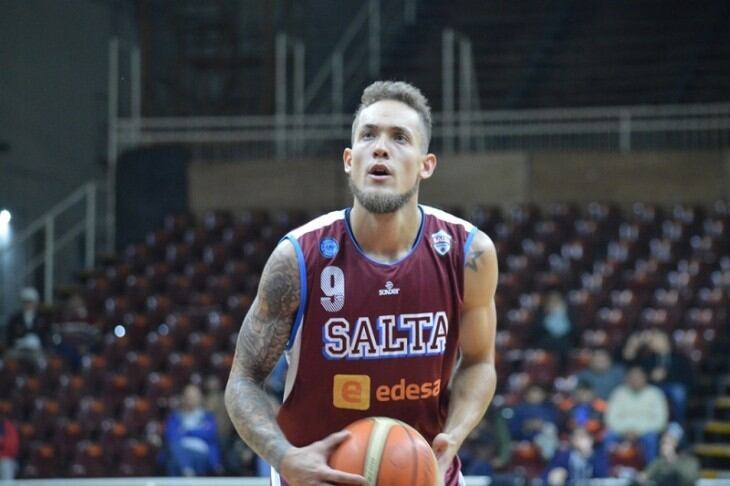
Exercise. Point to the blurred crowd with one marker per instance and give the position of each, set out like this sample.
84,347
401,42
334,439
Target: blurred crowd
617,416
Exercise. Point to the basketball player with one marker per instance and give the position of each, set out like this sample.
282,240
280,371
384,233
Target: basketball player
373,305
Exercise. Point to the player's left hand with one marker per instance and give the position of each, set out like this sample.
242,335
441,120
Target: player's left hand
445,447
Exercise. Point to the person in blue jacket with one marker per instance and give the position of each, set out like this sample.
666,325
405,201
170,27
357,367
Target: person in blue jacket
577,463
191,438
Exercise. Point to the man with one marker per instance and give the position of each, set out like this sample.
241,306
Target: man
602,374
27,332
637,410
191,438
578,463
372,305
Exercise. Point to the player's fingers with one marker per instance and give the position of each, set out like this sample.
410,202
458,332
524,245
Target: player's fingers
332,440
340,477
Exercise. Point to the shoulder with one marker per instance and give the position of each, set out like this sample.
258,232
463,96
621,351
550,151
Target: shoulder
318,223
481,254
447,217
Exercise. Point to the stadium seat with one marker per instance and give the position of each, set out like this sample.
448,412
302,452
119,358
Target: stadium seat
43,462
137,366
136,413
159,390
91,413
90,461
180,366
526,460
46,412
67,435
138,458
116,388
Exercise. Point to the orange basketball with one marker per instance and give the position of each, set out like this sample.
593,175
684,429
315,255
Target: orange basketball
386,452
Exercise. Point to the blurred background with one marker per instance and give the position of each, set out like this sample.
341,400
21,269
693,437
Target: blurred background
153,152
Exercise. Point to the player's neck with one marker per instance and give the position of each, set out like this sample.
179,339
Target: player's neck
386,237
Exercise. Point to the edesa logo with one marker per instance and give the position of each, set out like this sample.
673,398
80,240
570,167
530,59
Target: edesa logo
351,392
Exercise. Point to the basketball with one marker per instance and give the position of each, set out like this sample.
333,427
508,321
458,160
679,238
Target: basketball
386,452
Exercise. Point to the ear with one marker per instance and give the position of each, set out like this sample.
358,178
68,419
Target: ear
347,160
428,165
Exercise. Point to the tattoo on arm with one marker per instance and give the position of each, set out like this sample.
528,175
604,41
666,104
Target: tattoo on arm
472,259
261,341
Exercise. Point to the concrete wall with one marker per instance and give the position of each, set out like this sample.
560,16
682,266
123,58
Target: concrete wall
53,100
501,178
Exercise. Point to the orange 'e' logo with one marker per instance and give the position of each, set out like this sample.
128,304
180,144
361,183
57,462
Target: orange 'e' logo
351,392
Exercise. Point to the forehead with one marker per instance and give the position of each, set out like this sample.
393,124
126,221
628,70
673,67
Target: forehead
390,113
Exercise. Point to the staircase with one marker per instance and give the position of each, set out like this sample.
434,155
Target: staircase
712,404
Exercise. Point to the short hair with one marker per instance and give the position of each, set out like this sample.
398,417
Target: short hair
398,91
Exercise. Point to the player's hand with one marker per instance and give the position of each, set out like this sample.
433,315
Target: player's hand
445,447
307,466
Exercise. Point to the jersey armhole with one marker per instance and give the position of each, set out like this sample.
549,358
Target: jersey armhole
469,241
302,290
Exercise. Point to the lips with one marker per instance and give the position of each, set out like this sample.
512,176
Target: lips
379,170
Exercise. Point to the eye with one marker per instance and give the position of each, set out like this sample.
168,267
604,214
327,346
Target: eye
367,135
400,138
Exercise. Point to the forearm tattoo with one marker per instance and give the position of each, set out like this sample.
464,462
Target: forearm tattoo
261,341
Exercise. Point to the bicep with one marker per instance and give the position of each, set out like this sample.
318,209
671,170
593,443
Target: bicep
266,327
479,316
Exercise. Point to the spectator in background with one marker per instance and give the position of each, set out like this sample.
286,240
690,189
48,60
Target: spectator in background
674,466
73,336
603,375
191,438
637,410
554,329
577,463
9,445
27,331
584,410
668,369
535,420
488,446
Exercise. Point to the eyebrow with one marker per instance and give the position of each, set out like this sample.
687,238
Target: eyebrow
393,128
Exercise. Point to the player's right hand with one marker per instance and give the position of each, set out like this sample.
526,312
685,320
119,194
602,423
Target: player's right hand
307,466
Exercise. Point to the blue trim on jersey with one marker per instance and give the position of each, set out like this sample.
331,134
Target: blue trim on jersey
419,237
468,242
302,291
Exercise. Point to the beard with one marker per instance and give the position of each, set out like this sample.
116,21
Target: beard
378,203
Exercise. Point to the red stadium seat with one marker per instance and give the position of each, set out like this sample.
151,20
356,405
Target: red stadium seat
137,412
89,461
526,460
626,455
71,389
93,368
46,412
43,462
158,346
159,390
116,388
91,413
137,366
180,366
67,435
138,459
113,436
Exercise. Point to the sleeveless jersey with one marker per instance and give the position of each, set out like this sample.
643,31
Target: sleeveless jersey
369,338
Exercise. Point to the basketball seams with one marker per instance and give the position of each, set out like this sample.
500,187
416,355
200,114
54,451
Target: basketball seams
376,445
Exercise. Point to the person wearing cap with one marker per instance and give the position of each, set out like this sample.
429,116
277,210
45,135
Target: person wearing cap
26,330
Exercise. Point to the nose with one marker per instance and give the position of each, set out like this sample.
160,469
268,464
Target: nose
380,150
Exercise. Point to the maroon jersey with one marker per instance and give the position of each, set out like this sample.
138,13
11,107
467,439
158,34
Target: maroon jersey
370,338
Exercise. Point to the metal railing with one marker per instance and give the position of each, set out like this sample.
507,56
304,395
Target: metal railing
687,127
39,245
